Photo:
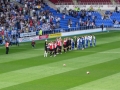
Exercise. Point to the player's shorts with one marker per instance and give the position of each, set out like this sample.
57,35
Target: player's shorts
64,46
55,49
60,47
51,50
69,43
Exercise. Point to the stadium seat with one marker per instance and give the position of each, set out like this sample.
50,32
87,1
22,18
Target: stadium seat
95,2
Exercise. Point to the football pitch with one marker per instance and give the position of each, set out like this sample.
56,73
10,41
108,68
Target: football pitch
25,68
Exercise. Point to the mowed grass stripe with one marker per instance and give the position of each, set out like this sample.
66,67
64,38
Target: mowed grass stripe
40,44
39,60
111,82
25,54
84,61
21,55
35,58
39,72
72,78
32,53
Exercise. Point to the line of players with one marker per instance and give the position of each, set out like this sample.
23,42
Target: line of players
68,44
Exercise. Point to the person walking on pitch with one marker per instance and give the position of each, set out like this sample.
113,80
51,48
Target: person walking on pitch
7,47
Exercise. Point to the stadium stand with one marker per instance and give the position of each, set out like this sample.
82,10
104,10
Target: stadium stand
55,1
60,2
117,1
94,2
36,15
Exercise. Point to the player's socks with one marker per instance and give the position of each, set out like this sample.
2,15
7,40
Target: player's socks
68,49
50,54
46,54
64,50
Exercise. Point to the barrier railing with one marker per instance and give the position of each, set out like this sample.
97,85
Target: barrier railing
68,29
95,3
65,3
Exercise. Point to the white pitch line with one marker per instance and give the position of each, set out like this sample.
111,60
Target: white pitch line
31,49
19,48
98,52
84,51
110,52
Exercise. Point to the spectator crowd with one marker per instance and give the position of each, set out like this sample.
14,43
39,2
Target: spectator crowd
33,15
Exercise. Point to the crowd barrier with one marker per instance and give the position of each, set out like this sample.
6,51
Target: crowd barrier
54,35
116,26
48,36
43,37
29,34
83,32
27,39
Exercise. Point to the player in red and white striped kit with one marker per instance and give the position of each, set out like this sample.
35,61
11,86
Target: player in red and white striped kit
59,44
55,48
65,44
51,46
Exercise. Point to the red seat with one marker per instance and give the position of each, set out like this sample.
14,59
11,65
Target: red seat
68,2
117,1
95,1
54,1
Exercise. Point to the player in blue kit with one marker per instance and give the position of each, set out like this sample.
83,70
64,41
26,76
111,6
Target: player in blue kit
78,43
86,41
83,42
90,38
72,44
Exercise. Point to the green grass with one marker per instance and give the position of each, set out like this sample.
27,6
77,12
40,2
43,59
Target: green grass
25,68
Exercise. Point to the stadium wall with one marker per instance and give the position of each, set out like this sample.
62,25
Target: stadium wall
83,32
95,7
113,29
28,39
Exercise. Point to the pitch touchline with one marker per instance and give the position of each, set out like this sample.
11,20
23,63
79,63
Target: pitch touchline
97,51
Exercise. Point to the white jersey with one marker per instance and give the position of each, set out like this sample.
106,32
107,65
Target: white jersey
90,38
85,39
78,41
71,41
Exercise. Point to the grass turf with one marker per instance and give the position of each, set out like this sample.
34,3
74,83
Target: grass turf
25,68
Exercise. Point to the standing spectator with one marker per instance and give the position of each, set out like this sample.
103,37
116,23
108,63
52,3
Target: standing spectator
58,10
102,26
69,26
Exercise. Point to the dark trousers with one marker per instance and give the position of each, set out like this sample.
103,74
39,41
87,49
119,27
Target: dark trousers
0,41
102,29
7,50
33,45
